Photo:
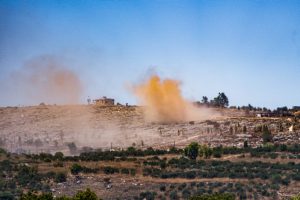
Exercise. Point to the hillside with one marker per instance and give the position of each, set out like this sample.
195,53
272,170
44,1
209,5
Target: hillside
59,128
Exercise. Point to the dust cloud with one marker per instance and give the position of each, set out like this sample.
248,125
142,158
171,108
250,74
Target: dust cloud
47,79
164,102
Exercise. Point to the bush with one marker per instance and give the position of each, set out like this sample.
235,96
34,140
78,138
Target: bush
28,176
110,170
205,151
60,177
217,152
59,156
192,150
76,169
148,195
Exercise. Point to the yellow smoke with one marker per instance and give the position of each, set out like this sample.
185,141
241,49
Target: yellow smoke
163,99
164,102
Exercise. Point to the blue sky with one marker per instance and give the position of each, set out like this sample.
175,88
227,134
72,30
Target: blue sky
248,49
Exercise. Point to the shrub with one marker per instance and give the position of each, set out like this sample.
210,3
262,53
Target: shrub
205,151
148,195
59,156
28,176
217,152
60,177
192,150
110,170
76,169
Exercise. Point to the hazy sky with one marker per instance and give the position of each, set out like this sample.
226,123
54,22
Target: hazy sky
248,49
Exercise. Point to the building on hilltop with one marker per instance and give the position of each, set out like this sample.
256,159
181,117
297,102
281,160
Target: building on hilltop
104,101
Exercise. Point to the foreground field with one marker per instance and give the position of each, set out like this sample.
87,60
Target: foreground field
116,153
270,172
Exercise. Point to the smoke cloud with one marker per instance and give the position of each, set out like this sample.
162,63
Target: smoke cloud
46,79
164,102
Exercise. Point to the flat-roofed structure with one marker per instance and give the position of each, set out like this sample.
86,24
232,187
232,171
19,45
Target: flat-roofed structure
104,101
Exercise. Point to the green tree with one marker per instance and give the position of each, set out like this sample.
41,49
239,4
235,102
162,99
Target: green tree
205,151
59,156
192,150
204,100
221,100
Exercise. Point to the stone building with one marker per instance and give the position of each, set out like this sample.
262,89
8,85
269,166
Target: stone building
104,101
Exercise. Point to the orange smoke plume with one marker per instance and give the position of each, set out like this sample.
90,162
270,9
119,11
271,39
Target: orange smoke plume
46,79
164,103
163,100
